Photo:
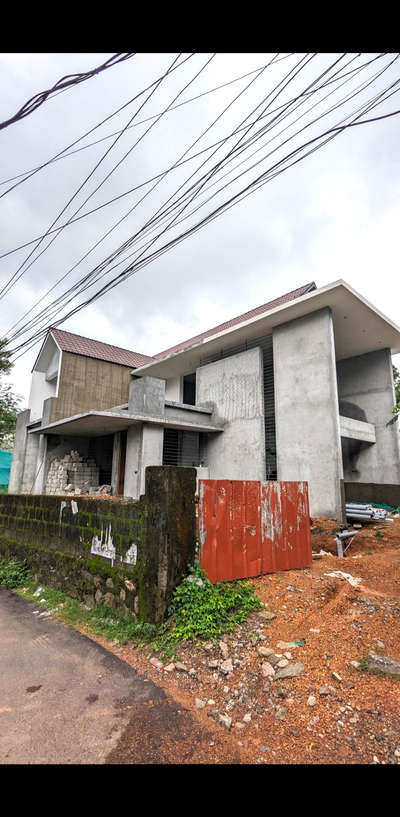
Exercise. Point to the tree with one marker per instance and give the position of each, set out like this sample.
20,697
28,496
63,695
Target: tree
396,409
9,402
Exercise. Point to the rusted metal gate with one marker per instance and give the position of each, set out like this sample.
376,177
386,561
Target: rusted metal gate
247,528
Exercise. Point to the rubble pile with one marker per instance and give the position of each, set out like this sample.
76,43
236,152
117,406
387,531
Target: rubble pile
72,474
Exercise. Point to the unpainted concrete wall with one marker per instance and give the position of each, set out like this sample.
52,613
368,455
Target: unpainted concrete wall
233,388
307,410
366,383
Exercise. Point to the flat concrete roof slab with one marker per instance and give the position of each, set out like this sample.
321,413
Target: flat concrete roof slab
359,328
100,423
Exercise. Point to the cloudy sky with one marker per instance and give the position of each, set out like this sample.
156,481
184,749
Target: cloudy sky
335,214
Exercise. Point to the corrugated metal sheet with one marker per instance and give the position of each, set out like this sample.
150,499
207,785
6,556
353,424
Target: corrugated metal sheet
248,528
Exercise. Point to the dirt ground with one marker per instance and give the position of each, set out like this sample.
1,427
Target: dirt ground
333,712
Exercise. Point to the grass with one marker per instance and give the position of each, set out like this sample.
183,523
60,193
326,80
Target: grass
200,611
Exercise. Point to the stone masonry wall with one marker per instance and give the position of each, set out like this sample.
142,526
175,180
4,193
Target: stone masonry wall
108,550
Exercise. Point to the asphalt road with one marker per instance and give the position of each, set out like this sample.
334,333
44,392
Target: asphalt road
64,699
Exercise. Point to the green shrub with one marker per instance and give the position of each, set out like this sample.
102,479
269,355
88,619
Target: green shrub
13,574
203,611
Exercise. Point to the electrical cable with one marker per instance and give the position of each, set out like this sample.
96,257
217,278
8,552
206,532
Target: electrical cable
15,277
303,92
62,85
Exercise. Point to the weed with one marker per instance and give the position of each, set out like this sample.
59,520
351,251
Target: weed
367,552
203,611
12,574
200,611
378,534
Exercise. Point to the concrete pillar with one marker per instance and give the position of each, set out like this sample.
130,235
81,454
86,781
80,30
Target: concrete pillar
307,410
30,464
233,388
147,396
115,462
39,484
144,447
18,457
365,385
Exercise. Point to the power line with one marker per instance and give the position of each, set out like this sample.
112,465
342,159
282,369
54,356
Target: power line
188,150
262,179
176,164
91,130
102,265
135,125
15,277
62,85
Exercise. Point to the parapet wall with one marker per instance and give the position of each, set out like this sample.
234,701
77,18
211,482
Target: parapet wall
127,554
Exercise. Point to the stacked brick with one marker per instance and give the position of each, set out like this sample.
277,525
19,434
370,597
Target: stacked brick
72,474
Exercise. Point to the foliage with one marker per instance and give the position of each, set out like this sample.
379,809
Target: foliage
9,408
201,610
5,362
9,402
12,574
396,409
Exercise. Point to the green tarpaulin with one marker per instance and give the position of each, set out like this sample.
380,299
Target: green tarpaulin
5,465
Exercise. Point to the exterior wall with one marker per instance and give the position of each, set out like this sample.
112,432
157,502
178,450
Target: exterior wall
365,385
18,457
86,383
307,410
30,464
233,388
147,396
173,389
41,389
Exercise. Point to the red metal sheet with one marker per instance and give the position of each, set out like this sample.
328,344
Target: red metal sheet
247,528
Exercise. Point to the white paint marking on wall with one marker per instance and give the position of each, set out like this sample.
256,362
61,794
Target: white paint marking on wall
74,507
62,506
131,554
105,548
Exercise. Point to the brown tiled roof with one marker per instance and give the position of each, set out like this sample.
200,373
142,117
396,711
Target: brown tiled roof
78,345
259,310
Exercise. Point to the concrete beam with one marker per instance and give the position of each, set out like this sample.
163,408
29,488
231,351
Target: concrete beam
357,430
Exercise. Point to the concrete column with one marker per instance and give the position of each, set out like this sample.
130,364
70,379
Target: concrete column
307,410
144,447
30,464
18,457
233,388
147,396
132,464
366,391
115,462
39,485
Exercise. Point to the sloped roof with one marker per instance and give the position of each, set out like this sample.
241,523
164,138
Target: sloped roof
259,310
79,345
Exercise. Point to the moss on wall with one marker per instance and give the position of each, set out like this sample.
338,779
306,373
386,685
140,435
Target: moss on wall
56,543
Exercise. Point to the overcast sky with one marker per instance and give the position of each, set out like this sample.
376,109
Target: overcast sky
333,215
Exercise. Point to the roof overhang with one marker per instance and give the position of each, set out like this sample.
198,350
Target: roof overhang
100,423
358,326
